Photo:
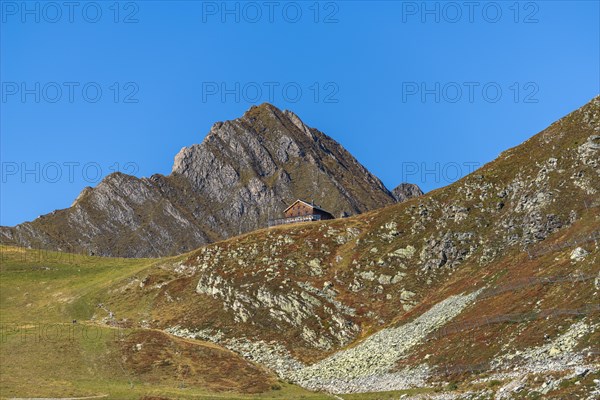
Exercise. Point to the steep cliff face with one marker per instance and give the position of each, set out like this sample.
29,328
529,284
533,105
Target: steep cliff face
244,172
253,167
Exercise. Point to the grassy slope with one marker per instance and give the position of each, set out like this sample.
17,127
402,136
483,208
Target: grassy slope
53,288
44,354
518,169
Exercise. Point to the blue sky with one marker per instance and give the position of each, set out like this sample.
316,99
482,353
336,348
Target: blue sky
418,92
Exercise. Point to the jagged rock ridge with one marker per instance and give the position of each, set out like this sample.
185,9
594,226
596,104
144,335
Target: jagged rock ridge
243,173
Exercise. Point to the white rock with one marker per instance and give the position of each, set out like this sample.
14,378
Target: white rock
579,254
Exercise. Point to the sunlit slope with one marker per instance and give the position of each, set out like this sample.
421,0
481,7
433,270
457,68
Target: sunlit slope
44,352
489,285
291,297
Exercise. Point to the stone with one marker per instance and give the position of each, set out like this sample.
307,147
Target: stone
406,294
579,254
406,252
384,279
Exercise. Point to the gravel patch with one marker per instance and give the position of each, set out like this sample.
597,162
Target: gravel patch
367,366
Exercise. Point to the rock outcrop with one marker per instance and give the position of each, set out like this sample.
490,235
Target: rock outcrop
405,191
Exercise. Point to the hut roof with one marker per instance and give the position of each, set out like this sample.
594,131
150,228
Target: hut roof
316,207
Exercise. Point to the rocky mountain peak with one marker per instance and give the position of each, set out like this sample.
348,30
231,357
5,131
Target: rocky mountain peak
405,191
245,172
